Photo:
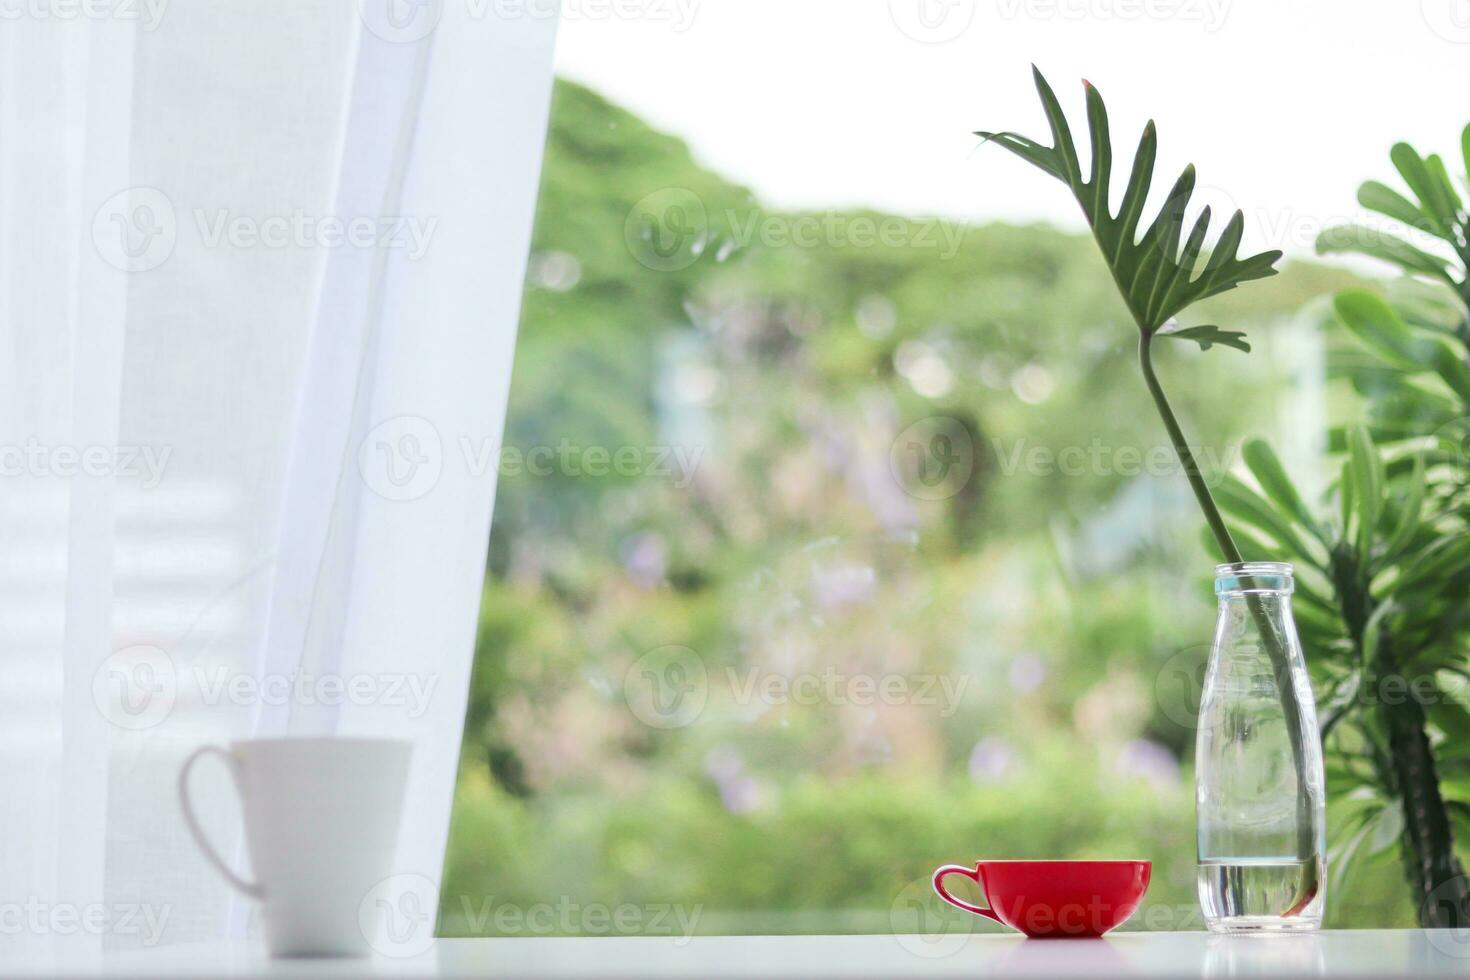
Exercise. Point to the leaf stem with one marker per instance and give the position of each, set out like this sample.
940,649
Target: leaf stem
1276,645
1186,455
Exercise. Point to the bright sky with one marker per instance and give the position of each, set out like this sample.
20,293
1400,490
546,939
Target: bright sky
1288,104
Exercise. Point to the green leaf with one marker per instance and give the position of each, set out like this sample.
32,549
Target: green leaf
1425,186
1465,147
1102,153
1367,471
1266,467
1337,437
1408,522
1389,827
1343,699
1375,323
1212,545
1240,500
1448,197
1208,336
1029,150
1451,718
1372,632
1378,327
1389,202
1360,240
1447,557
1460,812
1159,273
1323,626
1343,857
1061,133
1400,465
1405,407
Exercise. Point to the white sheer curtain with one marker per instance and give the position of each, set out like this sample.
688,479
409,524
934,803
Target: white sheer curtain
260,270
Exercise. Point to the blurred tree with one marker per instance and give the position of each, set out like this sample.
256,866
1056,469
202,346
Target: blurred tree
781,356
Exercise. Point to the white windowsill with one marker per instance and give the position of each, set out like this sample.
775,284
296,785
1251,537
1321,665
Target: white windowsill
1363,953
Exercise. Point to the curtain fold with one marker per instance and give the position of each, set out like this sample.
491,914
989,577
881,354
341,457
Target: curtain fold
260,272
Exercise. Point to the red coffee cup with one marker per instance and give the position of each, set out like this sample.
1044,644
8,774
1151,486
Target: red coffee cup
1077,899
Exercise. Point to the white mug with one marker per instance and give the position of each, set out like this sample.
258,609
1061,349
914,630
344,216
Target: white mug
321,822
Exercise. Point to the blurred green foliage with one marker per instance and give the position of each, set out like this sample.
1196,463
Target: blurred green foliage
793,359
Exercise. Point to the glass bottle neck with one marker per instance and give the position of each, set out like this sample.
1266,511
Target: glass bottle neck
1265,580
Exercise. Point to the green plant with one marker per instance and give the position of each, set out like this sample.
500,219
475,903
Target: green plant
1436,211
1159,275
1397,562
1382,590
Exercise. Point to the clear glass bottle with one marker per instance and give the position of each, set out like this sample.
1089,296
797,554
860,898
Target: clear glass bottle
1259,786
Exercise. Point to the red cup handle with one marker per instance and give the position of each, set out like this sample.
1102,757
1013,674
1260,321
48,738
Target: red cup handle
974,875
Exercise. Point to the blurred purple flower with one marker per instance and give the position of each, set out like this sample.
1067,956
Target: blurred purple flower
991,759
740,792
841,585
646,558
1027,673
1150,761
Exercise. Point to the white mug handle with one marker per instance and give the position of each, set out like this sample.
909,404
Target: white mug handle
192,822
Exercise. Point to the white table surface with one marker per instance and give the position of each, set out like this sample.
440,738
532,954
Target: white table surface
1366,953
